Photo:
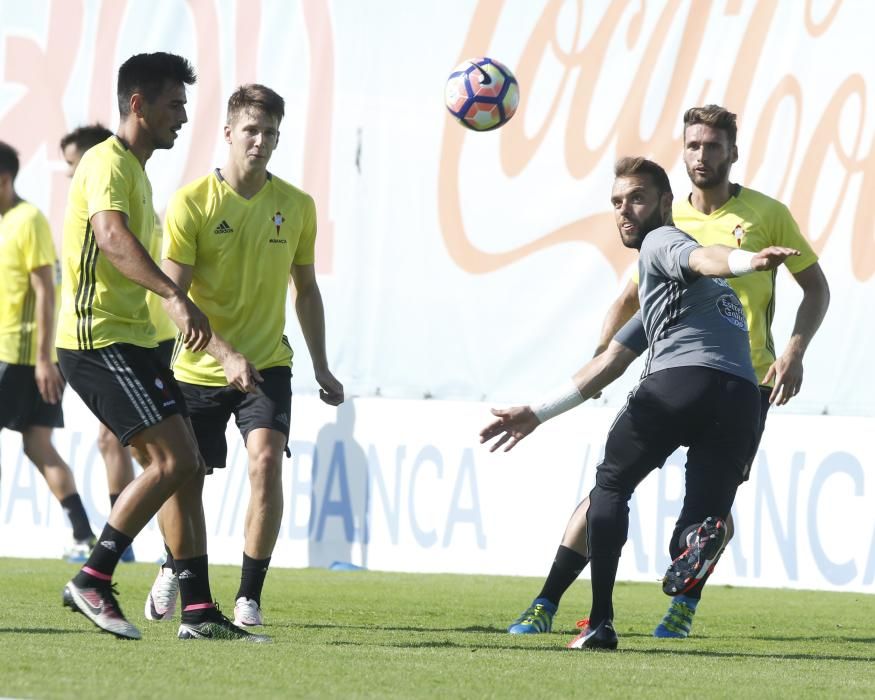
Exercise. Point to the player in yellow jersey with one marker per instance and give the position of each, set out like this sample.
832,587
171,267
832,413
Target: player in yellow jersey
117,457
31,386
234,239
107,348
717,211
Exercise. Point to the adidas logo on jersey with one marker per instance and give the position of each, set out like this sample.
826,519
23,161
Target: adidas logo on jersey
223,227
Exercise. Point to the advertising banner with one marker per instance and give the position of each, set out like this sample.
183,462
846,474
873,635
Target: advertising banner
462,270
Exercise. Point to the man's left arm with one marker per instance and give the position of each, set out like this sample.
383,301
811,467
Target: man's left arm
48,378
787,368
311,316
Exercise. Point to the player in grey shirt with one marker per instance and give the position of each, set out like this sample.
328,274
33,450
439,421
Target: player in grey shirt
698,390
691,320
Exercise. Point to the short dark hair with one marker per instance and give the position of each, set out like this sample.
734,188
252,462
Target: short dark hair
715,116
8,160
148,74
629,166
84,137
255,96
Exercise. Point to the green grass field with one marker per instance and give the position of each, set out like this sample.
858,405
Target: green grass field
367,634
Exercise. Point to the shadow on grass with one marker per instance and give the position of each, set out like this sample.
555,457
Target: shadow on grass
827,639
694,653
41,630
757,655
384,628
670,648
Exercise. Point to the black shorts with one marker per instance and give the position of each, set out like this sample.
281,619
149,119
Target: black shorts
765,393
210,409
21,405
715,414
127,387
165,351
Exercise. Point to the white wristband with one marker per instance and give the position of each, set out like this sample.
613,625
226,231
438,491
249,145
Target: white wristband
739,262
561,399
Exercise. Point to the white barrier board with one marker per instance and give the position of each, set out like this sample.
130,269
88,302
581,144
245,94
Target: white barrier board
405,486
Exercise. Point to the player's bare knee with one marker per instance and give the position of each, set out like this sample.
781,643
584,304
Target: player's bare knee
265,469
144,459
35,444
106,441
190,464
30,451
166,466
176,467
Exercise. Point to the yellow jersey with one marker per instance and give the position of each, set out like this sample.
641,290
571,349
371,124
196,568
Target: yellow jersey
99,305
25,245
241,252
751,221
165,329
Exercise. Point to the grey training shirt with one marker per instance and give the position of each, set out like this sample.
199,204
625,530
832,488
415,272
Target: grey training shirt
686,320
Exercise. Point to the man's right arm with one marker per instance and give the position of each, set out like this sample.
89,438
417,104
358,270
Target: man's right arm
125,252
511,425
623,308
48,379
603,369
122,248
240,373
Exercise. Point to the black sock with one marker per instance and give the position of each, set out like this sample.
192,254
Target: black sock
252,578
603,574
696,591
113,497
75,511
104,557
566,568
194,588
168,560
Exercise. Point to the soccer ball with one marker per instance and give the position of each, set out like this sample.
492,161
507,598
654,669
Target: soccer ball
482,94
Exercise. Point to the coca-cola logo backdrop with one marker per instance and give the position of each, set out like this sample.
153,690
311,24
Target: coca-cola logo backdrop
841,136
